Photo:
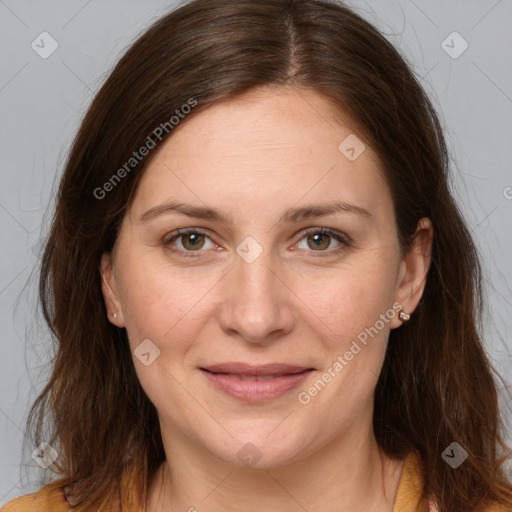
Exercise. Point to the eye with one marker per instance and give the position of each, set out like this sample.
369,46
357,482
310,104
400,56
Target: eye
189,240
186,242
323,240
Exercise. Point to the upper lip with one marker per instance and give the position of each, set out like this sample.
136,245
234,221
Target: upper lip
264,369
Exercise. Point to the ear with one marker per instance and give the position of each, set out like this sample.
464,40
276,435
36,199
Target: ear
109,290
413,270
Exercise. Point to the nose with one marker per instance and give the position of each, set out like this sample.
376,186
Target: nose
257,305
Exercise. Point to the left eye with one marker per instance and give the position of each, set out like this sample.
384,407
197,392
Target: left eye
320,240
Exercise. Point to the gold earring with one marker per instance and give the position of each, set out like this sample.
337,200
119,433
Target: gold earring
404,316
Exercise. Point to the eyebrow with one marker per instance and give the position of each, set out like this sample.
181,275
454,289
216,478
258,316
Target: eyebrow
292,215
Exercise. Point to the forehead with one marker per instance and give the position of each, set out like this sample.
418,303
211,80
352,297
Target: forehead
266,147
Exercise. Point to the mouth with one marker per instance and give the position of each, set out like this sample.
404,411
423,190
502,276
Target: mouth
255,383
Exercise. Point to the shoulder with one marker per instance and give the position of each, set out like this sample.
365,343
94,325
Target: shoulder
48,499
410,491
409,496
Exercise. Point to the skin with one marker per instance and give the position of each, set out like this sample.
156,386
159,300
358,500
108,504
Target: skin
253,159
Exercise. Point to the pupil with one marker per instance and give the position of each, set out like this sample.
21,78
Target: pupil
193,240
320,240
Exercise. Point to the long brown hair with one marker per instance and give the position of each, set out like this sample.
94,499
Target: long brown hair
437,384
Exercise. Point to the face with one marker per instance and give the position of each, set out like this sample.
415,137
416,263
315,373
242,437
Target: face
257,245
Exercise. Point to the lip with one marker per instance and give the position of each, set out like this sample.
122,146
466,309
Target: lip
239,379
249,370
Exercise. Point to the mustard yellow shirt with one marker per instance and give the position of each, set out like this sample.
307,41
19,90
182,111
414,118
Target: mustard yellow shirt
408,497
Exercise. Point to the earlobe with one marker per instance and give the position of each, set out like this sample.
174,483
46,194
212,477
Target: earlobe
414,269
109,291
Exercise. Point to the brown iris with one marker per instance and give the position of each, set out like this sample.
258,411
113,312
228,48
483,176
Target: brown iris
320,241
193,241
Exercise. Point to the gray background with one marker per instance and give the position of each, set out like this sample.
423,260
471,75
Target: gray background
43,100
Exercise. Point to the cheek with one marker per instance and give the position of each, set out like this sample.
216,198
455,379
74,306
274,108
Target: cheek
158,301
345,315
167,307
348,300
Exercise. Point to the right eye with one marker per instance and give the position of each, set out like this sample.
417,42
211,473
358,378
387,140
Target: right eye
188,241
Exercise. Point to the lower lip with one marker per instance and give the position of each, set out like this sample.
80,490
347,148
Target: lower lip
256,390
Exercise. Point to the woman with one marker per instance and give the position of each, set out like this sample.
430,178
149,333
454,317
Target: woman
264,295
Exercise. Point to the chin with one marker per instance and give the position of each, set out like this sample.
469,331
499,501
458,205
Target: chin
260,447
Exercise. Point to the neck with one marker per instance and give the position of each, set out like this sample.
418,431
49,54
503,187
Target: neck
347,474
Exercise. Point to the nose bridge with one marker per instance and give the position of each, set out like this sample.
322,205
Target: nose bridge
257,303
254,280
253,267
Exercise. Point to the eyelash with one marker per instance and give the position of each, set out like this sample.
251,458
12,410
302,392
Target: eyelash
343,239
